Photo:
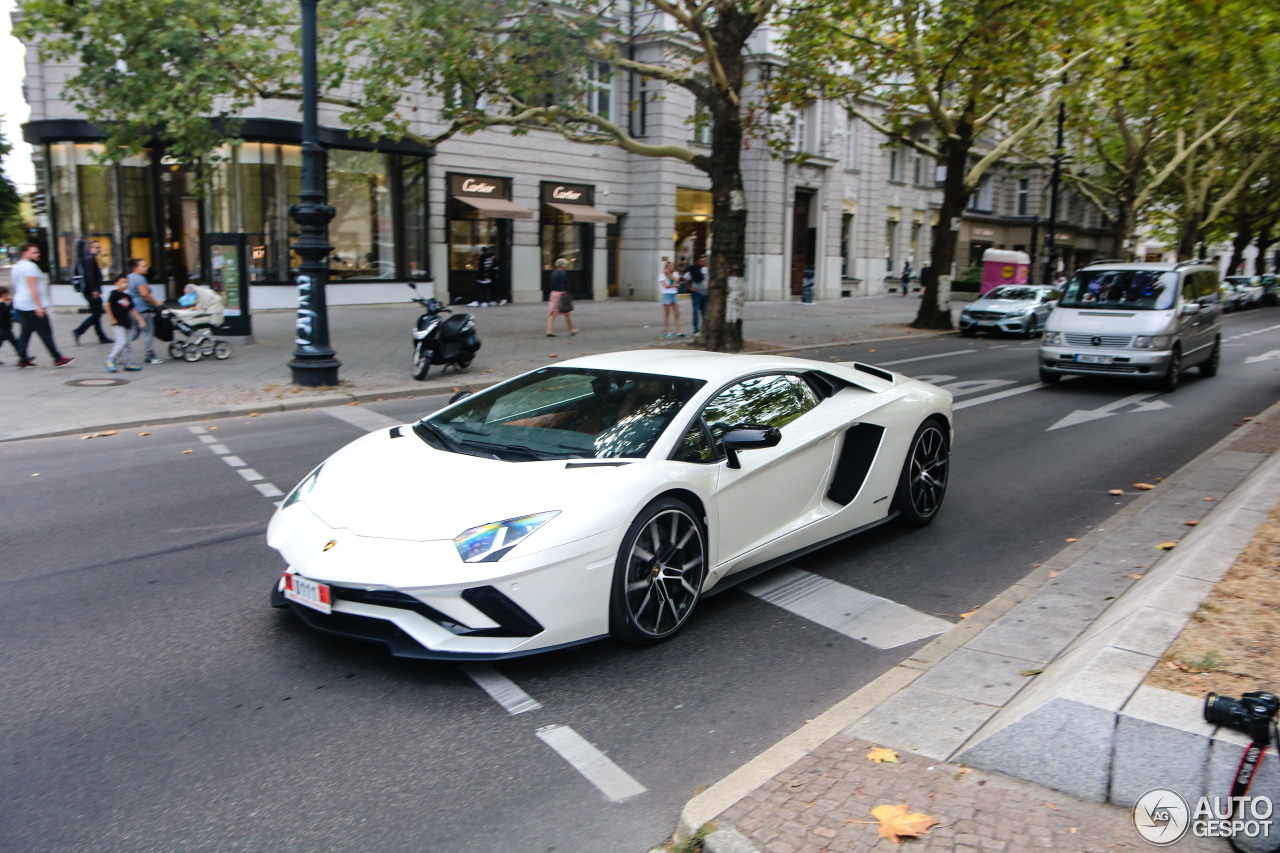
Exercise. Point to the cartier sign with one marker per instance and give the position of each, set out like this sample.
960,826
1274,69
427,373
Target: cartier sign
479,185
567,193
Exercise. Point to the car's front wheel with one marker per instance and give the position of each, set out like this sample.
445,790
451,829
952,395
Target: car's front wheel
923,481
658,577
1169,382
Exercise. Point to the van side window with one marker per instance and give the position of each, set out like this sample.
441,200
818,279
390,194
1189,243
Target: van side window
1207,286
1189,293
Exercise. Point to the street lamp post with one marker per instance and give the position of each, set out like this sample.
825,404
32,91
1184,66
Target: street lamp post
314,362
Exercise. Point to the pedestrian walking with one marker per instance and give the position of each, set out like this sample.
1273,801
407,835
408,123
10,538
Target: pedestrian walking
6,318
30,306
145,304
91,277
696,275
486,269
906,278
669,284
124,319
559,300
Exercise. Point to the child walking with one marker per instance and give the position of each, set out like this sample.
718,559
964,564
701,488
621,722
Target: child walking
6,318
124,318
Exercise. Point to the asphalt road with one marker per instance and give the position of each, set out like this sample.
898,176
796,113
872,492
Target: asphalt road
152,700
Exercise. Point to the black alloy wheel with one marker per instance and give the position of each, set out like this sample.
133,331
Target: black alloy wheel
923,482
658,577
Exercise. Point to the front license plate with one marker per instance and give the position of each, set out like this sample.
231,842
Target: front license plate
308,593
1093,359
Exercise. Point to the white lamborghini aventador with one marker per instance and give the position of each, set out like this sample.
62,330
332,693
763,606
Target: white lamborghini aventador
602,496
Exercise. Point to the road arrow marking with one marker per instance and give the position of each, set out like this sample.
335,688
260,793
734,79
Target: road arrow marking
1266,356
1139,402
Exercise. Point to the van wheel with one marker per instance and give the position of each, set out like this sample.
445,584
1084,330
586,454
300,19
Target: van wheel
1169,382
1209,367
1049,378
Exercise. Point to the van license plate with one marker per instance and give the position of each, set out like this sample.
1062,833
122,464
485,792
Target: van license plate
1094,359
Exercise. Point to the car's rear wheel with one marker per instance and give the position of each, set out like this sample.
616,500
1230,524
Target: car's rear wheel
1209,367
923,481
658,577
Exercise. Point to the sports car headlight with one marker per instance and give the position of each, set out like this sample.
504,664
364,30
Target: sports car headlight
1053,339
302,489
490,542
1152,341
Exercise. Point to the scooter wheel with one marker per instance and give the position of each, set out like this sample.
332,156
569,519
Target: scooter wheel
421,361
464,361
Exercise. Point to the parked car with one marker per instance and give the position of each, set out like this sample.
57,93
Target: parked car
1248,289
1270,289
1137,320
1019,309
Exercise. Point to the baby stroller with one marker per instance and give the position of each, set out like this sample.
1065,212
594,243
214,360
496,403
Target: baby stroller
196,324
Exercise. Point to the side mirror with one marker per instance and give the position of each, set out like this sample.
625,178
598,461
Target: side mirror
461,395
1191,308
748,437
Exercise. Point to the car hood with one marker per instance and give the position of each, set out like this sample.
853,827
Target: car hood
402,488
1003,305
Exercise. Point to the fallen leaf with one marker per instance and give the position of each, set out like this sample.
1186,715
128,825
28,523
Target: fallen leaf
1027,673
35,475
1116,492
354,403
1208,499
1073,540
1146,487
870,350
1053,574
144,433
1237,423
1191,523
967,615
1136,577
1035,565
1166,546
1072,830
880,755
188,451
175,392
1248,418
212,427
253,414
455,389
964,771
1159,479
795,783
898,822
1049,805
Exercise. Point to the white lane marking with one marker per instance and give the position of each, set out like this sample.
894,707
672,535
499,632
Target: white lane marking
1266,356
208,439
220,449
926,357
234,461
198,430
1254,332
614,782
267,490
358,416
999,395
999,346
973,386
1139,402
858,615
503,690
249,474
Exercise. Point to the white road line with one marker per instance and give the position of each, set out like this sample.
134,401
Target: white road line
249,474
503,690
366,419
858,615
267,490
198,430
999,395
220,449
209,439
234,461
1254,332
614,782
925,357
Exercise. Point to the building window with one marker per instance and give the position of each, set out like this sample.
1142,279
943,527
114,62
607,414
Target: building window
81,196
917,169
846,242
800,130
413,215
980,201
1024,192
895,163
640,112
851,144
701,124
363,244
600,90
693,224
890,240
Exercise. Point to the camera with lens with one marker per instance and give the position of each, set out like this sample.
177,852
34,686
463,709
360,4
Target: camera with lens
1252,713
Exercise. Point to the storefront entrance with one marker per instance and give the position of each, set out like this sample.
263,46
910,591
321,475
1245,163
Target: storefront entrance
480,214
804,241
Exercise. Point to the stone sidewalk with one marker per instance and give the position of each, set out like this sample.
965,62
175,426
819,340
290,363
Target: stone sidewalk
814,791
373,344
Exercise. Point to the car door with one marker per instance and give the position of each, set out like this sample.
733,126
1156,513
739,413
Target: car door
778,489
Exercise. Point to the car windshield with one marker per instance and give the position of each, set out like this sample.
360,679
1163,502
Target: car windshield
1011,292
1140,290
562,413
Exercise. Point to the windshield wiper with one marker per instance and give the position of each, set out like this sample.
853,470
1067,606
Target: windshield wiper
438,438
516,448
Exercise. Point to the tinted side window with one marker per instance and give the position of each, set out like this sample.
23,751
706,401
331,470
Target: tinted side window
769,400
1189,287
1207,286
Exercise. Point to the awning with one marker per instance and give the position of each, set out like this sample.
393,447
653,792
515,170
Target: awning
495,208
584,212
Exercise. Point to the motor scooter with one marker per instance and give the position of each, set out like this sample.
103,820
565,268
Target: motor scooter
440,339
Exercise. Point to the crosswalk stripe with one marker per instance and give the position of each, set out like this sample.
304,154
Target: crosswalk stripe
858,615
614,782
501,689
366,419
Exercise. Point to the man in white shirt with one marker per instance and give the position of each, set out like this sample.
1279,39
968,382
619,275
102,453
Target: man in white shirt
31,305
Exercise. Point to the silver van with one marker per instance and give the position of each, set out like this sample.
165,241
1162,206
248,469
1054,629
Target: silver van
1144,321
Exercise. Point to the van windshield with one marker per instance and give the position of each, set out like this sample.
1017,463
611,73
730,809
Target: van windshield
1130,290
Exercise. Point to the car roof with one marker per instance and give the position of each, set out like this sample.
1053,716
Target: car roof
710,366
1144,265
